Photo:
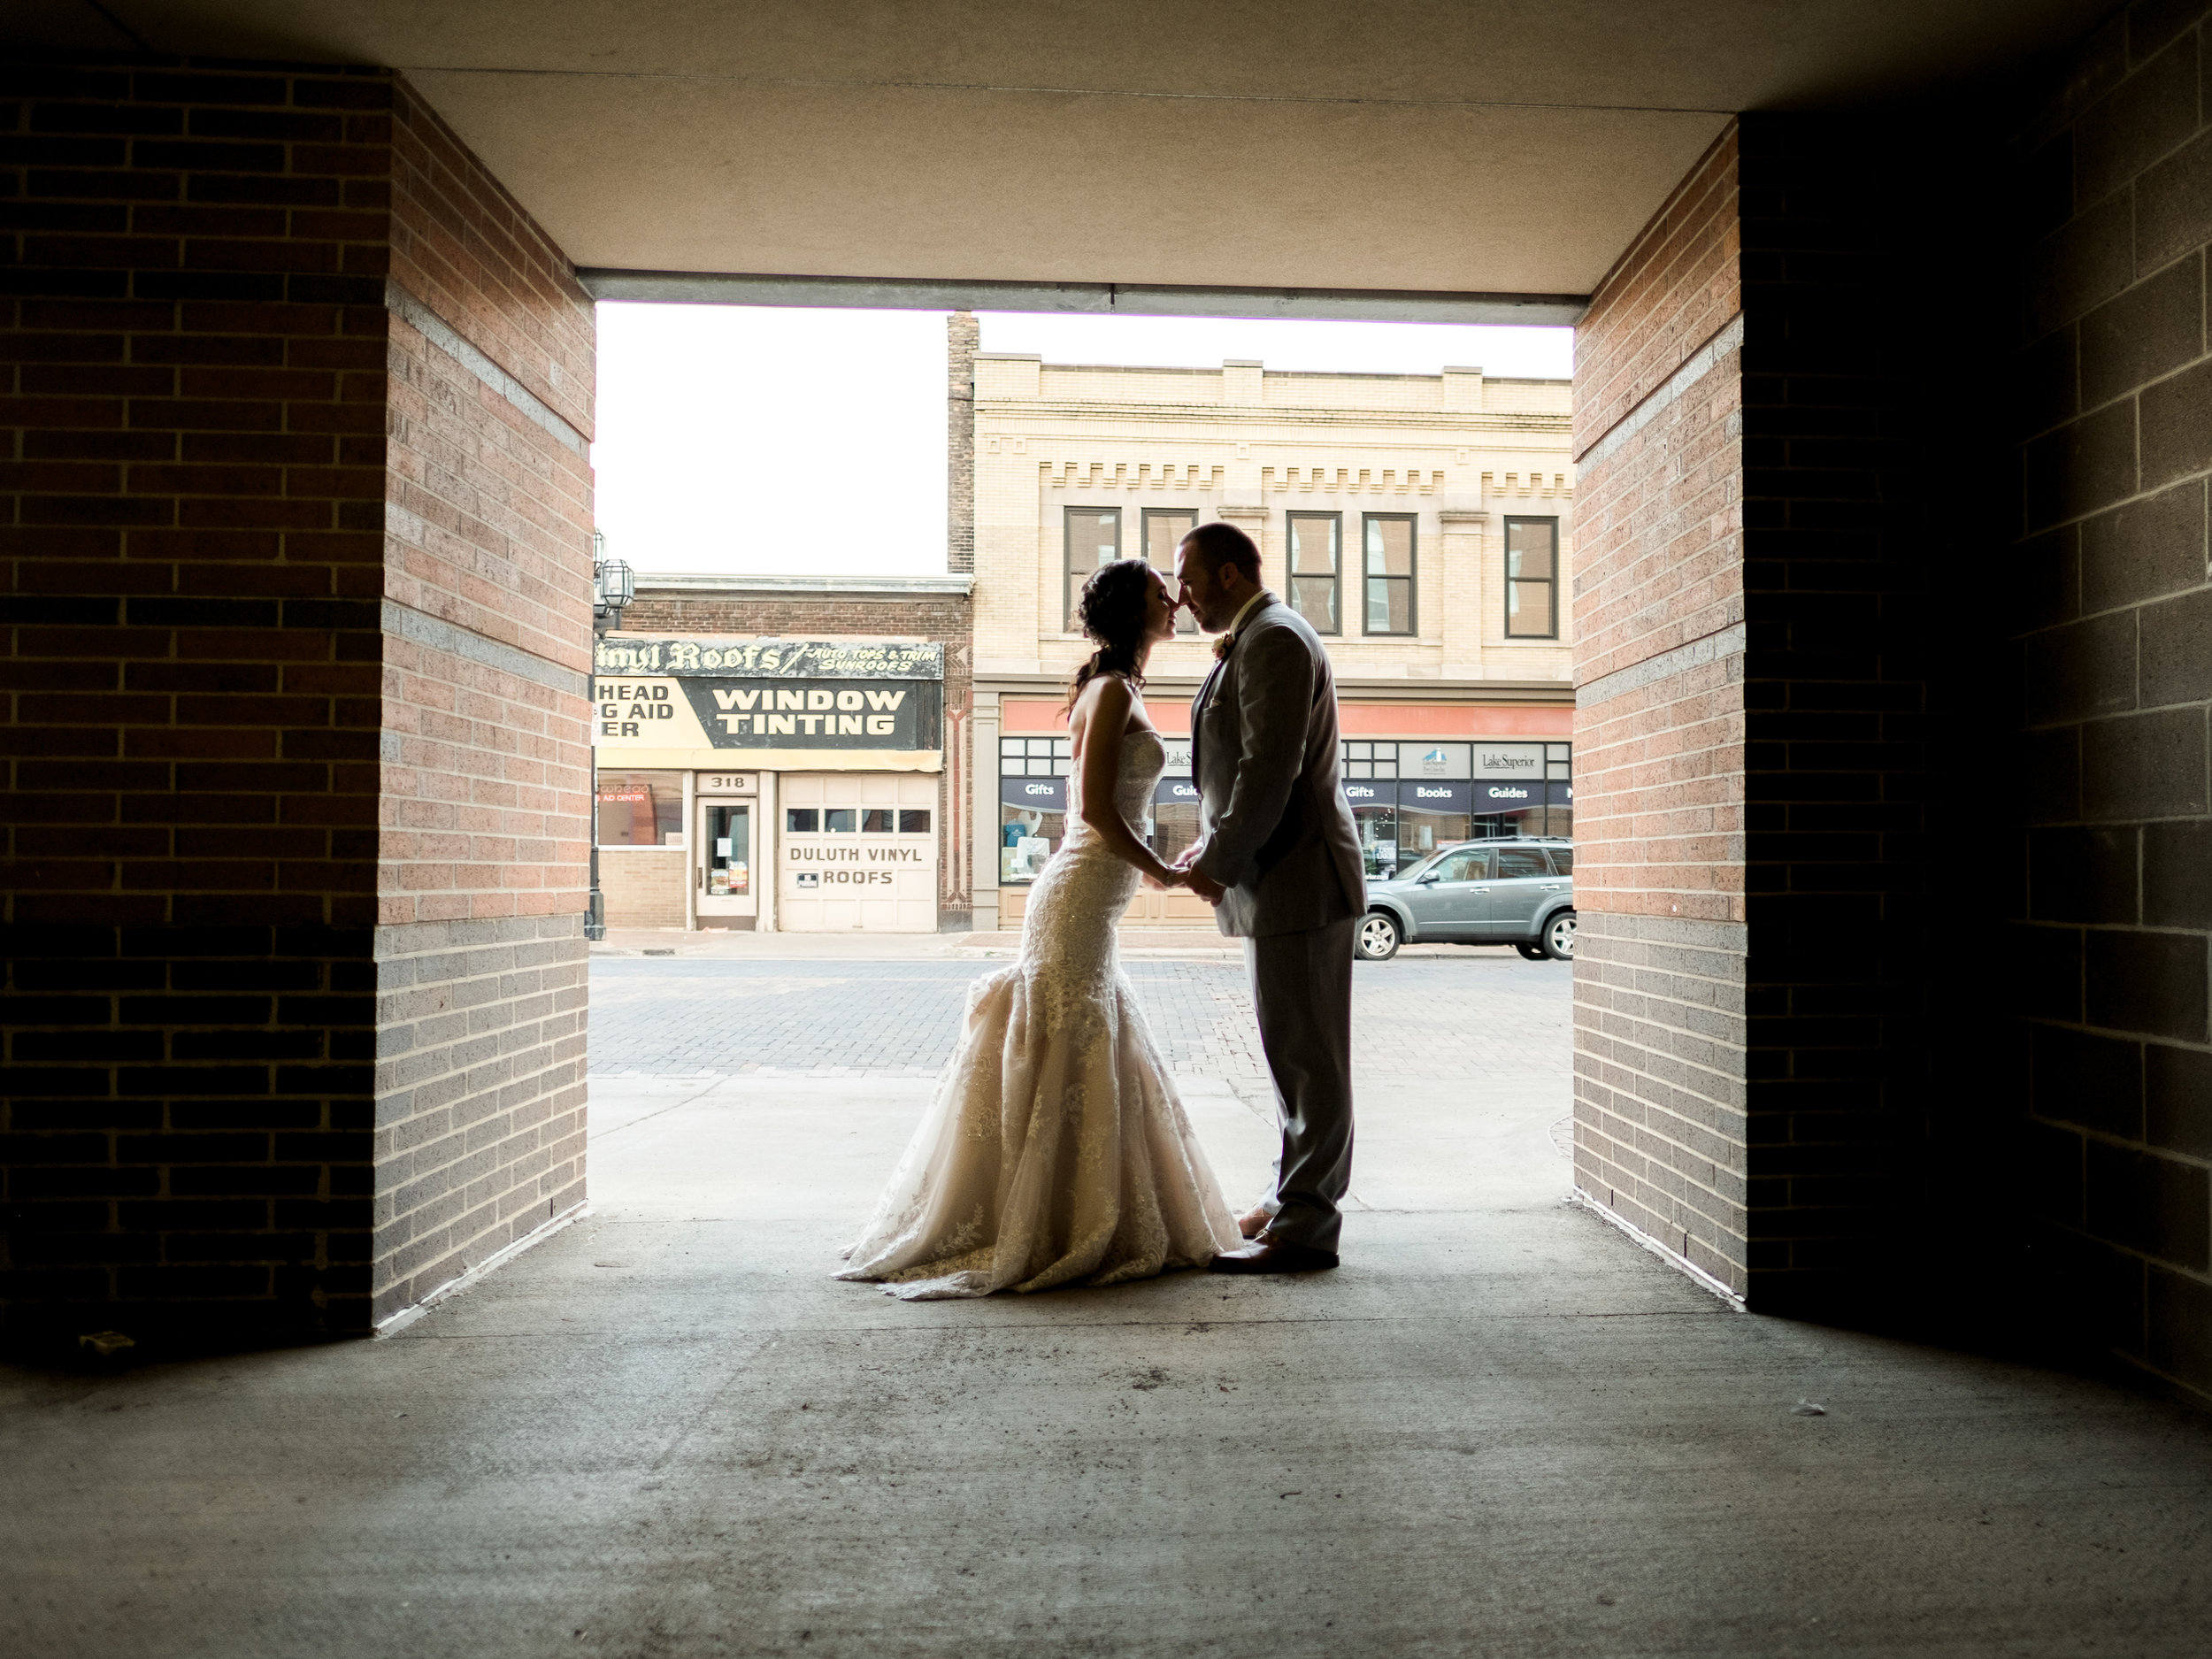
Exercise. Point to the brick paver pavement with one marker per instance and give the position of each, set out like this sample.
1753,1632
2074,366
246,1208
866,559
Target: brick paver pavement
1436,1018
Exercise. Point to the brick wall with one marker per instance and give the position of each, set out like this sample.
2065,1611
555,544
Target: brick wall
643,886
1785,511
485,780
2113,672
945,618
1661,1093
963,336
230,664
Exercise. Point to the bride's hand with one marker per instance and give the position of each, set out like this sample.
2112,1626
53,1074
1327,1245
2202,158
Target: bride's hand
1169,877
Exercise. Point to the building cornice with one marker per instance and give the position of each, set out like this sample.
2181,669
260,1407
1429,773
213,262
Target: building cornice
1350,689
1253,417
677,584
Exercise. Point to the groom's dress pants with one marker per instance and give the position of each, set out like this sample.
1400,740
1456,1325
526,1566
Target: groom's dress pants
1301,987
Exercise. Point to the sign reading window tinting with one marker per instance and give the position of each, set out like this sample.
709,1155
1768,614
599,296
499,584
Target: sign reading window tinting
695,714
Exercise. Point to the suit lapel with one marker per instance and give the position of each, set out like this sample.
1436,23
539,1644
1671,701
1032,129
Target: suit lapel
1198,714
1204,699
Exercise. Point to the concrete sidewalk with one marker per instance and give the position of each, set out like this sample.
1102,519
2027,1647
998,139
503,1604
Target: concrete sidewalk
1140,942
1500,1429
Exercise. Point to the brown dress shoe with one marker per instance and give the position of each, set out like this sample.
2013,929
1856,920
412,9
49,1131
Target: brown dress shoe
1254,1221
1269,1255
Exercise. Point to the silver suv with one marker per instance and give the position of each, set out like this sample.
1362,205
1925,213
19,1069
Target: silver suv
1519,893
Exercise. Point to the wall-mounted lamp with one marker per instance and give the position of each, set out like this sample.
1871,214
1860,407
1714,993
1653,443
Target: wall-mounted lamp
613,585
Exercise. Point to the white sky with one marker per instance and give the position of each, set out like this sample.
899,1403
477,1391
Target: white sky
743,440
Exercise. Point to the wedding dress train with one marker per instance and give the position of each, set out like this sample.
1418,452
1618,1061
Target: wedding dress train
1055,1151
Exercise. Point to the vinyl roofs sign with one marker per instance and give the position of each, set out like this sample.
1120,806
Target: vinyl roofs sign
780,659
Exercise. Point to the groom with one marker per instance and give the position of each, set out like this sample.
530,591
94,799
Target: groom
1277,857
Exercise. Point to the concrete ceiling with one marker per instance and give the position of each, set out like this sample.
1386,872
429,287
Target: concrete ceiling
1497,146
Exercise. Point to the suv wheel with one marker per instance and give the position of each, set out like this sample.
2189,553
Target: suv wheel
1559,937
1378,937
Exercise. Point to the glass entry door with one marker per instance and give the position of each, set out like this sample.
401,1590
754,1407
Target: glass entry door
725,872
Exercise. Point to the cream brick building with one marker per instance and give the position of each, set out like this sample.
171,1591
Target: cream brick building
1399,496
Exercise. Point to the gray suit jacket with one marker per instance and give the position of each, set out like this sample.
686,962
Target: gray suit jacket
1263,752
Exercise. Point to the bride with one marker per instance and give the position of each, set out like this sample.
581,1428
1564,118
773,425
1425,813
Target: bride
1055,1152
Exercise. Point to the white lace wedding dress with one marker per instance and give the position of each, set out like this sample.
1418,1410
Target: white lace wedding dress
1054,1152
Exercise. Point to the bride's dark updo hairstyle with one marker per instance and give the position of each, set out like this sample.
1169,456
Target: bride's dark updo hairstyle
1111,611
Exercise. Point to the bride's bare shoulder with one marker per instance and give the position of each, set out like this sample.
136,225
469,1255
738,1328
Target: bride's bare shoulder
1131,702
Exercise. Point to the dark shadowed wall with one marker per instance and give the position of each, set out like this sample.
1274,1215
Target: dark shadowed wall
1895,661
2113,674
1788,482
297,525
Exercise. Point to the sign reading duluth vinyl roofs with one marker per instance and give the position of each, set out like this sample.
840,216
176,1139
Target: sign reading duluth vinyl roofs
769,694
784,659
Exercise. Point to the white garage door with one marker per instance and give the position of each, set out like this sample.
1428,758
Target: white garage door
859,853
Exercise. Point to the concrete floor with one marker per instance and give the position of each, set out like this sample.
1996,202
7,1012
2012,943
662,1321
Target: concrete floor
1501,1429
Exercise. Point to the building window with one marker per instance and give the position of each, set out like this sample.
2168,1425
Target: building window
1368,773
1389,572
1531,579
1164,529
1032,804
832,820
640,808
1093,539
1315,563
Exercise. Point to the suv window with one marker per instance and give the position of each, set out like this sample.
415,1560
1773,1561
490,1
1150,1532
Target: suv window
1521,861
1469,864
1562,860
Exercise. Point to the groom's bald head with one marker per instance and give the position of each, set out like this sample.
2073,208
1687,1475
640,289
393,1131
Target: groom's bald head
1217,544
1218,566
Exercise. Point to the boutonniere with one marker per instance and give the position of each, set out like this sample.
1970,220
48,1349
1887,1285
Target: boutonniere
1222,642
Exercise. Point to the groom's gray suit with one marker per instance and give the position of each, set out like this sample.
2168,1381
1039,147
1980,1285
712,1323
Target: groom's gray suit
1277,834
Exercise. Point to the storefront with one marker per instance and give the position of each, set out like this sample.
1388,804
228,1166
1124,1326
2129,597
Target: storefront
769,784
1034,784
1410,798
1408,794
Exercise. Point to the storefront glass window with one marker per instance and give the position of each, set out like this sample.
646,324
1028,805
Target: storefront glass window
1377,839
839,820
802,821
1423,832
1032,804
1497,825
913,822
640,808
1026,839
729,850
1174,827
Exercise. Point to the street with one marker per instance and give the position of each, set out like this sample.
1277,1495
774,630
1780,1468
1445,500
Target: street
1448,1052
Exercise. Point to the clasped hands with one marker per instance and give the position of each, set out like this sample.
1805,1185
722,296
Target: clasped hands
1187,876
